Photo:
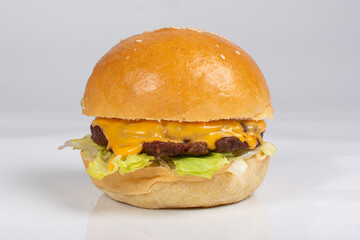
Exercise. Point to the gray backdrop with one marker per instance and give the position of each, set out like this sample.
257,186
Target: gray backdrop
309,51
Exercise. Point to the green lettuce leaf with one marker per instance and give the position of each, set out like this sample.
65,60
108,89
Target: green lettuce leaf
98,168
132,163
201,166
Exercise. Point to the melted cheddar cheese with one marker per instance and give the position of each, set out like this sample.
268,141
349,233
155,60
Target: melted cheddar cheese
126,137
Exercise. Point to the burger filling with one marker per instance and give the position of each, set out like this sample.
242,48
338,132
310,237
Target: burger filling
186,147
190,148
170,138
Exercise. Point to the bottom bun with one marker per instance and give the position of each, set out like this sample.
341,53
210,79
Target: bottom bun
160,187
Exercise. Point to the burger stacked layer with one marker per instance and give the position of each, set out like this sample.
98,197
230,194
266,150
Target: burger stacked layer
170,138
189,148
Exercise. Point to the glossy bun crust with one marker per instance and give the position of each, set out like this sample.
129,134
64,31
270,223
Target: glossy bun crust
159,187
177,74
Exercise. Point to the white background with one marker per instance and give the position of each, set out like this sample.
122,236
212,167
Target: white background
309,52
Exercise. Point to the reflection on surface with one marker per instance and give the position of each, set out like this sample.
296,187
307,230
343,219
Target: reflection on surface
244,220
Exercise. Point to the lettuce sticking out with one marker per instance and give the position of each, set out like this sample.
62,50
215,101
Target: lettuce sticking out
239,165
268,149
98,168
200,166
103,162
132,163
91,149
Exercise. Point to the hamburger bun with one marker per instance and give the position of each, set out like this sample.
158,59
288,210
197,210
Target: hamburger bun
177,74
159,187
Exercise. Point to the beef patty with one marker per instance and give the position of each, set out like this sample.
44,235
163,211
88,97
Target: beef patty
98,136
160,148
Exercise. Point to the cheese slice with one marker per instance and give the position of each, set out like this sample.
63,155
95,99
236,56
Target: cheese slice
125,137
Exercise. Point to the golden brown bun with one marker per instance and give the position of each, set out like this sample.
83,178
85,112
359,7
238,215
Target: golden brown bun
177,74
159,187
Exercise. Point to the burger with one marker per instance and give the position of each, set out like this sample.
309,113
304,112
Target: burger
179,121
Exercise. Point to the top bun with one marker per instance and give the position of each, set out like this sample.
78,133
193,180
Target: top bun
181,74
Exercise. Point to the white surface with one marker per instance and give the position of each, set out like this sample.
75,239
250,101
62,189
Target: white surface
311,191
